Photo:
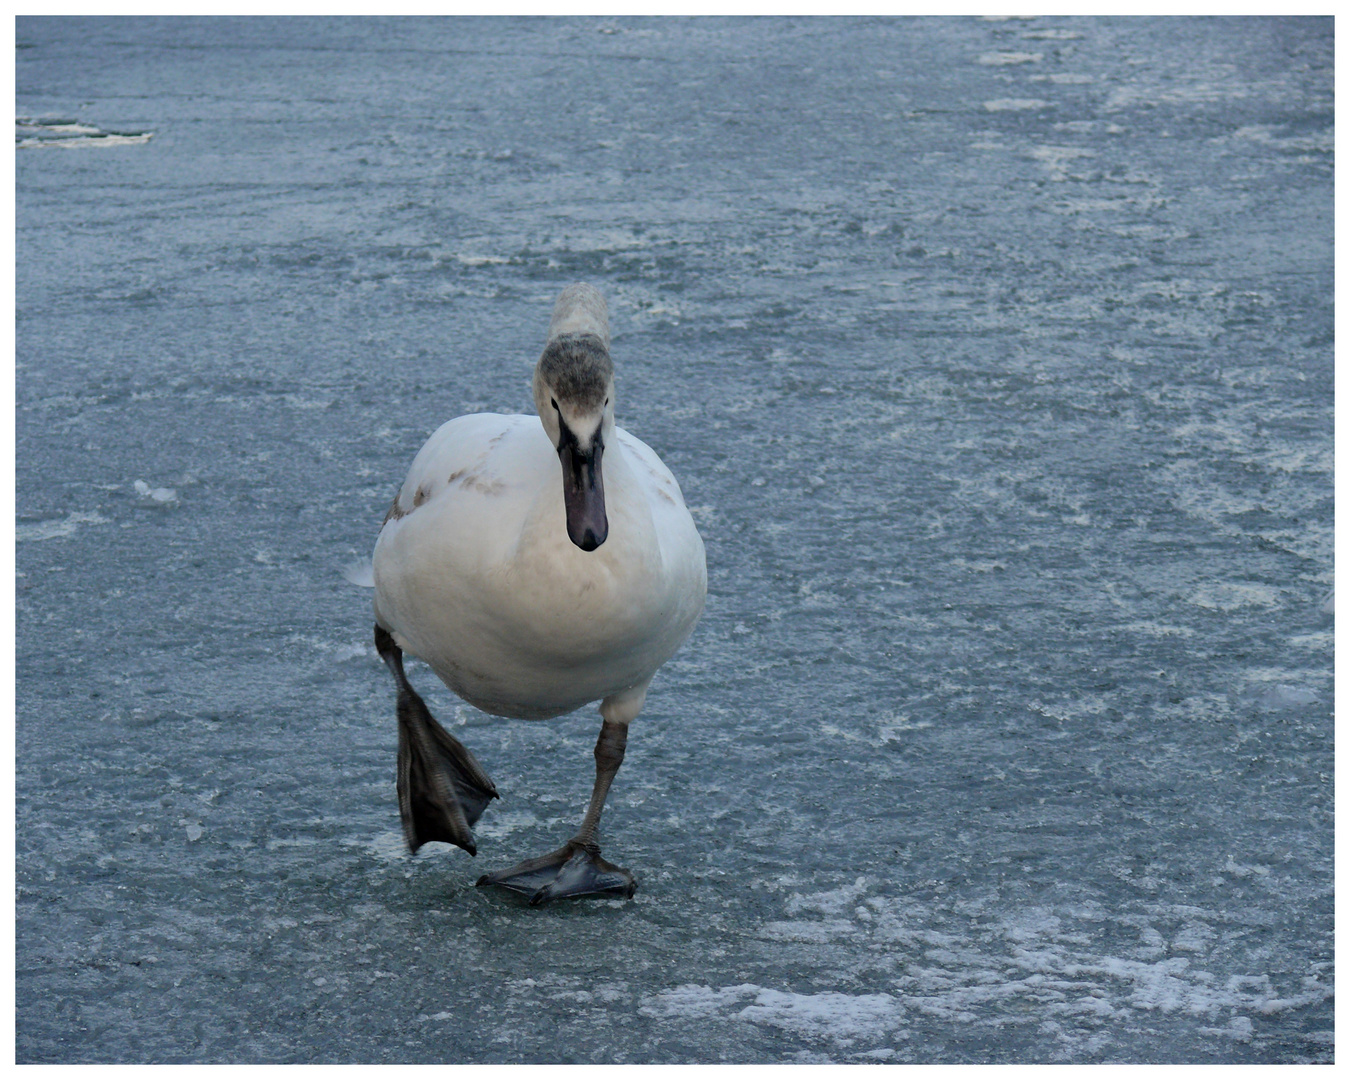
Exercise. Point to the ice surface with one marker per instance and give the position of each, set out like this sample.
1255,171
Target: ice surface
994,359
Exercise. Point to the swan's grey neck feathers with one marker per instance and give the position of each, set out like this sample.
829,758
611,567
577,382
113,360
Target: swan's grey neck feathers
580,309
578,371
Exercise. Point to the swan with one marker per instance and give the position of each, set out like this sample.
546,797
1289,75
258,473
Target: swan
536,564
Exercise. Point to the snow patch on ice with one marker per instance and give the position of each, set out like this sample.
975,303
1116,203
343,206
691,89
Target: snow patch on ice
503,822
814,931
54,529
1036,961
841,1018
1132,96
1158,629
1066,78
1282,696
339,650
1323,639
1015,104
155,494
1234,595
385,846
890,732
1004,59
1239,1029
1194,937
481,260
692,1002
1268,135
1057,159
832,902
66,134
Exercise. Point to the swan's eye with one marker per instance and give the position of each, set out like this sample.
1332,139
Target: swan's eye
606,405
555,403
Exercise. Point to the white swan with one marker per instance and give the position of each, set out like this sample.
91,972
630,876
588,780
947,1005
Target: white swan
536,563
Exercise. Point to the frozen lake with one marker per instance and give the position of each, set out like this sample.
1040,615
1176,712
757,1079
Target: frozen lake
995,361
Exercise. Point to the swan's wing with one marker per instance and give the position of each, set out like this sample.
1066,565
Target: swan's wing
681,545
659,480
457,452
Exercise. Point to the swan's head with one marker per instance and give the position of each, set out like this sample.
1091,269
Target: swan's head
574,394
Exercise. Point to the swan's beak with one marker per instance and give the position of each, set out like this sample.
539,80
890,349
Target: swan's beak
583,492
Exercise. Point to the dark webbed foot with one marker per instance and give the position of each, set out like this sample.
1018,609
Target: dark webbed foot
576,869
572,870
442,789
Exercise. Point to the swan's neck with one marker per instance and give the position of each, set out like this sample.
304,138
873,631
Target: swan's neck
580,310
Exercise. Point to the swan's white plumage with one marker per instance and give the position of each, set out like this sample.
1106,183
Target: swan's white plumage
475,573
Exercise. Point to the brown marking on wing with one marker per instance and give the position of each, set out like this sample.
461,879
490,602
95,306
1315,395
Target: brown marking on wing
662,480
456,475
394,513
483,485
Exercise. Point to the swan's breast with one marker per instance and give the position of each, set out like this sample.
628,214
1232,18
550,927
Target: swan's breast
474,570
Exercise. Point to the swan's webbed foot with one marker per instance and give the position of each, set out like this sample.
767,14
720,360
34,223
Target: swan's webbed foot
442,790
575,869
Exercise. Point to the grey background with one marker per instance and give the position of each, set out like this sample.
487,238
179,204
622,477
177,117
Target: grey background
995,360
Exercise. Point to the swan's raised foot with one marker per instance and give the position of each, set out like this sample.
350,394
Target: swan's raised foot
442,789
572,870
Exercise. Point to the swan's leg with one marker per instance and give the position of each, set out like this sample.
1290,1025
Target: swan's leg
442,789
576,869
